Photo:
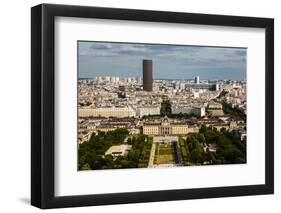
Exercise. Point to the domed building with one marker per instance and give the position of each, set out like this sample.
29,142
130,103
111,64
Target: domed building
167,127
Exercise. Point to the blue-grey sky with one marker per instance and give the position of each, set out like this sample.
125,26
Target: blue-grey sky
169,61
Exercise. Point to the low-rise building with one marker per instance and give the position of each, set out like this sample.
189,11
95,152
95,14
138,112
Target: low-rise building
165,127
200,111
144,111
215,109
118,150
84,137
119,112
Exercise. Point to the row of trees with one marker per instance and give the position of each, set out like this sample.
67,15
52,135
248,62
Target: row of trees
85,104
166,108
228,109
138,156
235,112
91,153
230,150
222,94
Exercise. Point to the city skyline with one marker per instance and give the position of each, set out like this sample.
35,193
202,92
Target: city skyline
169,61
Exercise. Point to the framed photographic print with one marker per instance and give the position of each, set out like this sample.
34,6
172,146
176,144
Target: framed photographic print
140,106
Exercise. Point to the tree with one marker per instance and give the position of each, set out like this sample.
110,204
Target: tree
203,129
108,162
235,112
197,155
210,156
129,141
86,166
166,109
92,152
223,93
201,138
229,148
96,162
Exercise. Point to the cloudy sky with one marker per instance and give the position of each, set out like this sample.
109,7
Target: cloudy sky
169,61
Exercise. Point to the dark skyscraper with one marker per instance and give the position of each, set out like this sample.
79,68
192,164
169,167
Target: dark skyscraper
147,75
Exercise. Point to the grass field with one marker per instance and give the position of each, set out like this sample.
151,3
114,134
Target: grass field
164,154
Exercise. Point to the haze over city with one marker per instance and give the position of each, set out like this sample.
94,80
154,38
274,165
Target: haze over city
169,61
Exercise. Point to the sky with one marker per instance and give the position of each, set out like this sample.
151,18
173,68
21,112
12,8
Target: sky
169,61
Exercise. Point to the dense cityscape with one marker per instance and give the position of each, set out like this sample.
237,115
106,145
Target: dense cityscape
140,122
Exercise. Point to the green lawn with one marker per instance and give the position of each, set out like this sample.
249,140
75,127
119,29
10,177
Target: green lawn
164,154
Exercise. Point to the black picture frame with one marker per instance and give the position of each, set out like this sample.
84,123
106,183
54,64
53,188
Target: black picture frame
43,102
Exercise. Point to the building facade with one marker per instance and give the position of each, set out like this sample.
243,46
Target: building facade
200,111
165,127
143,111
215,109
196,80
147,75
119,112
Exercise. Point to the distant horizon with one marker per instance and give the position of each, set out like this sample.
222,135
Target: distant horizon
171,62
82,78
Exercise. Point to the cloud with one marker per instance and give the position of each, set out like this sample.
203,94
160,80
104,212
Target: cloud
117,49
158,50
123,49
128,56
